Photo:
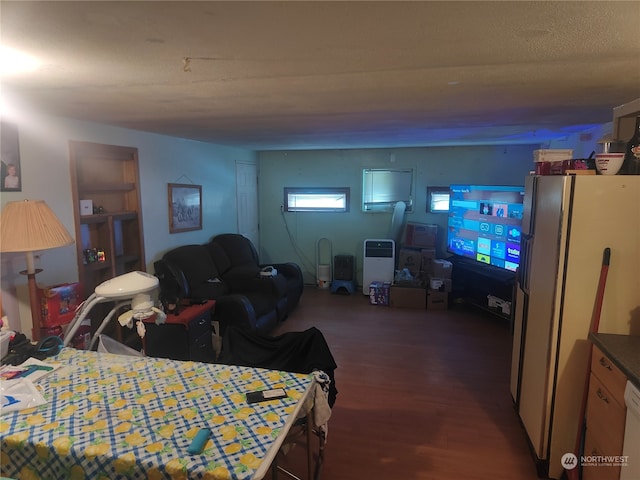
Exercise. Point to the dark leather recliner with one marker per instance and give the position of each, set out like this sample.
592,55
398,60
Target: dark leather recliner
237,261
190,271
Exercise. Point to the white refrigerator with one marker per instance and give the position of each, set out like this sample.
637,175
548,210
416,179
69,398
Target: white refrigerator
568,221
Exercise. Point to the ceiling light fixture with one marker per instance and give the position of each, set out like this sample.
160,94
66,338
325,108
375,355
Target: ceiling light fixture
14,62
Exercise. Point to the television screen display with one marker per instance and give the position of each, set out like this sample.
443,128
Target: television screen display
485,223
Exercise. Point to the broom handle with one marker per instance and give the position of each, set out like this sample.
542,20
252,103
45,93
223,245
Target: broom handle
573,474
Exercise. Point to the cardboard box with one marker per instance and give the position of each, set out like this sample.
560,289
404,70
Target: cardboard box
379,293
411,259
408,297
415,283
439,284
441,268
437,300
59,303
420,235
428,255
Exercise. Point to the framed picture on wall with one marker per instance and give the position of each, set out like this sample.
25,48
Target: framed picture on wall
10,155
185,207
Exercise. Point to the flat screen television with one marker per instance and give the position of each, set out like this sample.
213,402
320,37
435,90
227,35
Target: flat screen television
485,223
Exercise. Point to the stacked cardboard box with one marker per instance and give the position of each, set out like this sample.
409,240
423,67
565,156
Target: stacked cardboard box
431,277
440,275
420,235
439,283
408,297
418,248
437,300
415,254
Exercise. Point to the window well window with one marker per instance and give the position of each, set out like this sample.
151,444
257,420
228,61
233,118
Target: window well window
316,199
383,188
437,199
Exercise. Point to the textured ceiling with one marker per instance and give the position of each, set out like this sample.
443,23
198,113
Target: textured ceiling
273,75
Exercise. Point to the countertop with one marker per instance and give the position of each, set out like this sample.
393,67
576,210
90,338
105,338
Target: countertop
624,352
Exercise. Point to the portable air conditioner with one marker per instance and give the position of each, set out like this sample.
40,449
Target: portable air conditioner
379,262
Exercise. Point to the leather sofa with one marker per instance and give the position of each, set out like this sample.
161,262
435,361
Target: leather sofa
244,298
238,263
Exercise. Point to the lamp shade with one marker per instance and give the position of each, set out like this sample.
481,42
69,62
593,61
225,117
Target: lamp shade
30,225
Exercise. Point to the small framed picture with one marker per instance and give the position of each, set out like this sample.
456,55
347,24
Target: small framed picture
11,178
185,207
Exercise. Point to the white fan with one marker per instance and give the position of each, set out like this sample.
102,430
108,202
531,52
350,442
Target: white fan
397,221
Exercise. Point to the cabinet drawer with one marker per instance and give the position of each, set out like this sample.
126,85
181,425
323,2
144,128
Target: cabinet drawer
613,379
200,325
590,471
201,349
605,417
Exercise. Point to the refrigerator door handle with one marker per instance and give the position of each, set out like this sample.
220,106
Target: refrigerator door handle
523,270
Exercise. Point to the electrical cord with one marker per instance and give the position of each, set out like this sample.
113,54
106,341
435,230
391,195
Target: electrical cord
301,256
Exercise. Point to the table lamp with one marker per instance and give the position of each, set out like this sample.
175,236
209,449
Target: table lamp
121,289
28,226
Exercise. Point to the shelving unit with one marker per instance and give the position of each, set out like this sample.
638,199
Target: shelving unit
108,176
473,282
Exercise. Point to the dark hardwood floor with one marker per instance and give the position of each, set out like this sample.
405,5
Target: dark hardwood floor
421,394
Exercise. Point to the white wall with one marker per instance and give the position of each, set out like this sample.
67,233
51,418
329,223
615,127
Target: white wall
44,162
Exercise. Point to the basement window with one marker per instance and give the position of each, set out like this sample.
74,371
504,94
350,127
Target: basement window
437,199
316,199
383,188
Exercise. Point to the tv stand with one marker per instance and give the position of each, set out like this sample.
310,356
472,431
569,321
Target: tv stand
473,282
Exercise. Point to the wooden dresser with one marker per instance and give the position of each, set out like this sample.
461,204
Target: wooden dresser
606,413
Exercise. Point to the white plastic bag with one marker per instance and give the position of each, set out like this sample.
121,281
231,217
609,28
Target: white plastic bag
403,275
19,394
107,344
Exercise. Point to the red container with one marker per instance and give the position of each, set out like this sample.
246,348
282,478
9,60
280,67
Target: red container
543,168
558,167
59,303
562,166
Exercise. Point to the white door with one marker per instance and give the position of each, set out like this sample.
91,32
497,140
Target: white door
247,200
